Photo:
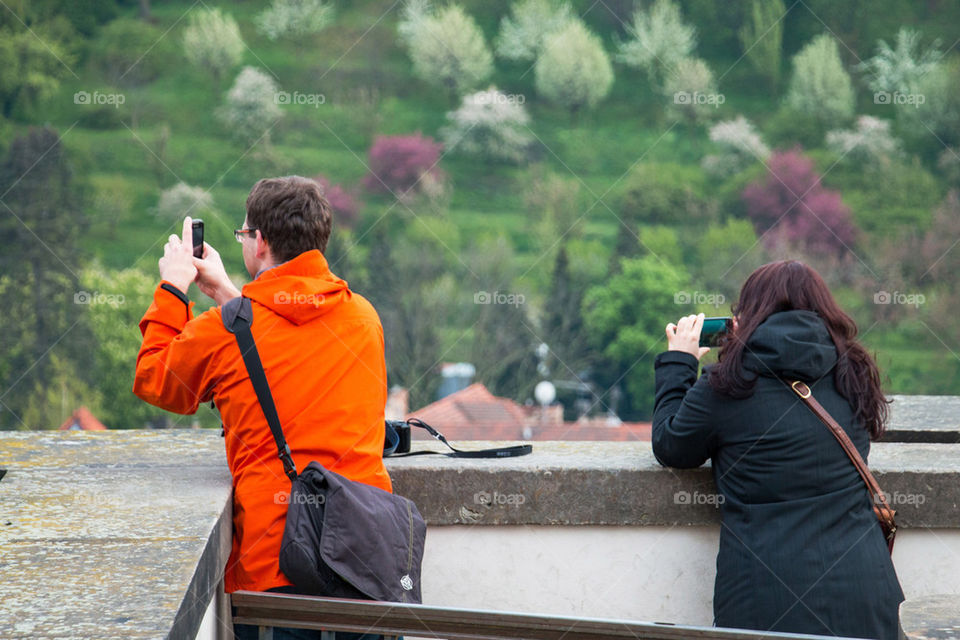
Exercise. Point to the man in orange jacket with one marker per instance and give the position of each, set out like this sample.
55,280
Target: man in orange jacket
321,346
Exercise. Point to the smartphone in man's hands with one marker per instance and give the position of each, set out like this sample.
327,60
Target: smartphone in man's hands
197,228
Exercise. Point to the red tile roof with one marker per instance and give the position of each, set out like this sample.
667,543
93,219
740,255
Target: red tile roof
82,419
476,414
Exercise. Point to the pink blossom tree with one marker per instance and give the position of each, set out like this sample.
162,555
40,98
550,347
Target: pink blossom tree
791,205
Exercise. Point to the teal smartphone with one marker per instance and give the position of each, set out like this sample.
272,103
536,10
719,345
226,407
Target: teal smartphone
713,329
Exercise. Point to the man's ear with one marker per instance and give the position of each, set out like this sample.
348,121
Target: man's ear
262,247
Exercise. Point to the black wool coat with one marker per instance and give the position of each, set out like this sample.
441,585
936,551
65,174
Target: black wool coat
800,547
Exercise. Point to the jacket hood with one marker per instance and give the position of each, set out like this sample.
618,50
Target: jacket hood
299,290
791,344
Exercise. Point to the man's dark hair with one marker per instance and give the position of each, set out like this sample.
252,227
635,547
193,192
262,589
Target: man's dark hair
292,214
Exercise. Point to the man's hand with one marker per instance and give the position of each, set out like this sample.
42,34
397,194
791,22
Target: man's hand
212,278
176,265
685,336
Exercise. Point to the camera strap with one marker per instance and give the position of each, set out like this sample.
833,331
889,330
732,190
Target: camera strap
237,316
497,452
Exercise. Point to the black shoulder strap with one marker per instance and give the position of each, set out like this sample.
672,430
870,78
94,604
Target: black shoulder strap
237,318
498,452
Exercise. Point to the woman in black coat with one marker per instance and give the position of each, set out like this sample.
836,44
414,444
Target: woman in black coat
800,547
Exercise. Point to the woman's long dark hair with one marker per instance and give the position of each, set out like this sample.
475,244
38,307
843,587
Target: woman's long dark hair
792,285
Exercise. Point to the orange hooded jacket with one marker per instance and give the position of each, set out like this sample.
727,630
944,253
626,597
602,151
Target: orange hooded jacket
322,350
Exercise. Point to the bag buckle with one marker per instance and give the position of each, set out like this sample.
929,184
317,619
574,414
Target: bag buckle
796,386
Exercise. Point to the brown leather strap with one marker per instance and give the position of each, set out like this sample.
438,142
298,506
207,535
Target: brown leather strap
885,514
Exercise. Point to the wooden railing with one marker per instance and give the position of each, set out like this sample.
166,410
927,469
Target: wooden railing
268,610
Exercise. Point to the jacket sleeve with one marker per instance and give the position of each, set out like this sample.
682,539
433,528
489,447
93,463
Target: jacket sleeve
174,363
684,433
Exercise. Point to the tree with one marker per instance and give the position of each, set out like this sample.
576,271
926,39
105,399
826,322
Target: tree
897,69
553,204
573,69
447,48
183,200
563,327
295,19
740,146
119,299
761,38
32,64
41,223
130,52
940,111
691,92
530,21
490,125
399,285
504,345
251,106
403,165
625,317
659,40
870,143
790,204
820,87
213,43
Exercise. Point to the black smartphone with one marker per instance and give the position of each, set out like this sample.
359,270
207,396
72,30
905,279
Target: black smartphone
197,238
713,329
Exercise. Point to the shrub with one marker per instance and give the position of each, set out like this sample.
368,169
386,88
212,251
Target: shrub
655,194
182,200
345,207
791,205
820,86
250,106
740,146
212,42
530,21
489,124
294,18
447,47
573,69
403,165
870,142
658,41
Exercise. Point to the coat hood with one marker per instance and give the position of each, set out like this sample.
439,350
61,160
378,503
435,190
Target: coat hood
299,290
791,344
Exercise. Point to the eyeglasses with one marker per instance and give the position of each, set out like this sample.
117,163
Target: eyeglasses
239,233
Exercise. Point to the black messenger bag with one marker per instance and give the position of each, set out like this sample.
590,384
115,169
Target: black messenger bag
342,539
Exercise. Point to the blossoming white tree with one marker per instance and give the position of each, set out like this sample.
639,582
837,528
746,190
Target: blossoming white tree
573,69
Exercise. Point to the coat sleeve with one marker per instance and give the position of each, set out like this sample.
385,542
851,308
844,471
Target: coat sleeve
174,364
684,433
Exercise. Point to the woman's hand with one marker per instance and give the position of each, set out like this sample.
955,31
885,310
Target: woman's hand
685,336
